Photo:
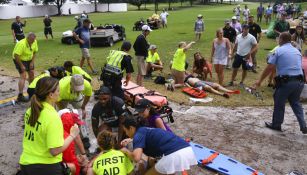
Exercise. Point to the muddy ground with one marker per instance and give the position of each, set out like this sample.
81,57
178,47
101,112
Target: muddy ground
237,132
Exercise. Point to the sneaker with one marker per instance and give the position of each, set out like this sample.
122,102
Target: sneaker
241,85
167,86
254,71
147,77
22,98
304,130
230,83
95,72
172,87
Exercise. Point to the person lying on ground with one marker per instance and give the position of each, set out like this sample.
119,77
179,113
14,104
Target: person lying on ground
201,66
118,162
69,119
51,72
153,61
146,110
74,90
73,70
214,88
177,155
109,109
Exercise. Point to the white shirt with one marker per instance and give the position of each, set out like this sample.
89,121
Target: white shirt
246,12
245,44
164,15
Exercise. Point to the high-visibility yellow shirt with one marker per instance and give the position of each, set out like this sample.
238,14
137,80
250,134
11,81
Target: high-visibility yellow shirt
179,60
34,82
24,51
153,58
37,141
112,162
78,70
66,92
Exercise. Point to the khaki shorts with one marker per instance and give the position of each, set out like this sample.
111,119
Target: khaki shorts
85,53
178,76
141,65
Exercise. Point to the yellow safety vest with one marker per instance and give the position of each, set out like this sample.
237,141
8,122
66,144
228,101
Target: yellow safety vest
114,61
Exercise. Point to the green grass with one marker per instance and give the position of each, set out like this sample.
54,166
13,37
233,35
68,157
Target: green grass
180,23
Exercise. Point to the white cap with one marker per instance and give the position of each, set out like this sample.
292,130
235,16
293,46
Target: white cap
76,17
146,27
199,16
46,16
234,17
152,47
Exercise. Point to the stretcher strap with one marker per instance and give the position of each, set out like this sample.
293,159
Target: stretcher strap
210,158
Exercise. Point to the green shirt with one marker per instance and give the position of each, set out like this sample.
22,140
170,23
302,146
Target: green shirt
24,51
80,71
153,58
179,60
66,92
112,162
37,141
34,82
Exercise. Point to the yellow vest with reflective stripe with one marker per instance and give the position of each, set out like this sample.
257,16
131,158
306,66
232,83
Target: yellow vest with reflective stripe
115,58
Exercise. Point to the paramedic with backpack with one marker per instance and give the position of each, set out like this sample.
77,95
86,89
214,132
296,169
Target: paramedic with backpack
43,141
112,73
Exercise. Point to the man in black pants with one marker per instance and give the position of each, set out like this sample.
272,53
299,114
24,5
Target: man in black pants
47,30
255,30
17,30
230,33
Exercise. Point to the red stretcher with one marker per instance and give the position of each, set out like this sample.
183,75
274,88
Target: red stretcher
133,93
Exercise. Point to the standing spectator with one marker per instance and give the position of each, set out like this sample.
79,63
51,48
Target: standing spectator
260,11
287,61
246,13
245,46
17,30
280,10
82,35
275,6
281,26
43,141
268,15
199,27
140,47
237,12
231,34
236,25
24,57
47,30
299,37
69,11
255,30
164,16
179,63
220,53
79,24
76,91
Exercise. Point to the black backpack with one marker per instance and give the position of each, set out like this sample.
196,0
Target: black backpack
160,80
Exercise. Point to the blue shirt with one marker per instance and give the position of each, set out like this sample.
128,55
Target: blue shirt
157,142
288,60
84,34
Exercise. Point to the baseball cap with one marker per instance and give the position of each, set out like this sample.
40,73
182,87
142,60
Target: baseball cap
146,28
77,83
227,21
141,105
234,17
152,47
104,90
245,26
199,16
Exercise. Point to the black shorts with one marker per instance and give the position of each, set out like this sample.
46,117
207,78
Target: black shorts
19,37
42,169
238,61
48,30
25,63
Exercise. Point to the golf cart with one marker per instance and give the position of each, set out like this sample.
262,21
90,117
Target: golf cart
107,34
68,38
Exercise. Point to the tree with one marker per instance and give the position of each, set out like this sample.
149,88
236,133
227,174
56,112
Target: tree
191,2
4,1
58,3
137,3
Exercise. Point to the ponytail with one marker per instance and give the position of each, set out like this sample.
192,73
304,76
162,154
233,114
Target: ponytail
44,87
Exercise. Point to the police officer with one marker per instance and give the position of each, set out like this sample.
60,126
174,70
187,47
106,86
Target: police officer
289,82
112,73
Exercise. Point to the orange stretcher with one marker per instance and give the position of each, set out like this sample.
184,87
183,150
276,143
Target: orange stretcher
133,93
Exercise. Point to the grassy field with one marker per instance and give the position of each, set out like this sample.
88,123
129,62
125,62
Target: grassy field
180,28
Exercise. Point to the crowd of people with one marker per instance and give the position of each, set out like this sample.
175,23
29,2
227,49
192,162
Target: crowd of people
147,141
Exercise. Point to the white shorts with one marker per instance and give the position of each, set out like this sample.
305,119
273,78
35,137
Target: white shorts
85,53
220,61
178,161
